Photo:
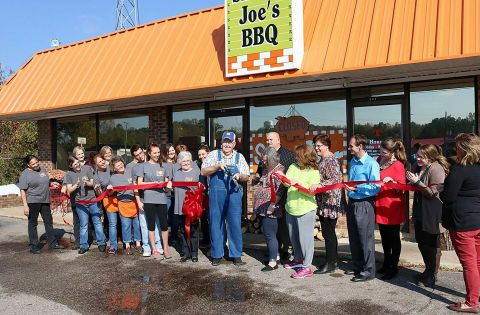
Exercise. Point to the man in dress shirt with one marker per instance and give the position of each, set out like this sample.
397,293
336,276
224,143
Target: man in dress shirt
361,209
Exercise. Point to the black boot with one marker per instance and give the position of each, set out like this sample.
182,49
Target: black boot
391,273
326,268
429,277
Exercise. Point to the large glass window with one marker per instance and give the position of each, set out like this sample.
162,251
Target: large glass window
68,131
298,120
189,127
440,110
121,131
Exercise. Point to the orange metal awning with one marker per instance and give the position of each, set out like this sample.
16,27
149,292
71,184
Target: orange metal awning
182,58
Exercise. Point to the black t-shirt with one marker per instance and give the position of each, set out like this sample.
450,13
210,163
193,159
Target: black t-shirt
461,198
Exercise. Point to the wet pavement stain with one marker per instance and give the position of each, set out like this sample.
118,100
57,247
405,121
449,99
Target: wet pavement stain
91,284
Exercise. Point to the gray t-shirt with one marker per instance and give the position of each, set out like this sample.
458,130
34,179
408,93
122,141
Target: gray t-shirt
123,180
137,171
153,172
102,177
36,185
83,192
71,177
182,176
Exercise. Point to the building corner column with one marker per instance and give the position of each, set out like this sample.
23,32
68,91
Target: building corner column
45,143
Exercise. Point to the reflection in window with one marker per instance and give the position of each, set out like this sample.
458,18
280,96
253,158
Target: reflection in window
441,110
298,121
219,125
120,132
378,123
68,131
189,128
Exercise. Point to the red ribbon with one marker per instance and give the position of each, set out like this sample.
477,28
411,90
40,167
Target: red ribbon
389,185
135,187
193,207
59,200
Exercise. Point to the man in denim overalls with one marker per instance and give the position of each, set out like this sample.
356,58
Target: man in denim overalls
226,169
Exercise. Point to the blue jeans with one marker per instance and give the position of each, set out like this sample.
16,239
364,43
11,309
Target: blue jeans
112,229
144,233
127,229
225,207
84,212
270,227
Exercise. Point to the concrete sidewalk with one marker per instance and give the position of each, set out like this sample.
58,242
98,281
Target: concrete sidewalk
410,255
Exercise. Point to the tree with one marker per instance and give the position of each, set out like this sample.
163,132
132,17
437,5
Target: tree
17,139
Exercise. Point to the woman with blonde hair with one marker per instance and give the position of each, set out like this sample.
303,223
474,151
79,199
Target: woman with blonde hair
106,153
300,210
390,205
461,216
427,209
79,153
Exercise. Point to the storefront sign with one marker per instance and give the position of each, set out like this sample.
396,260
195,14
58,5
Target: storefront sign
263,36
293,127
81,140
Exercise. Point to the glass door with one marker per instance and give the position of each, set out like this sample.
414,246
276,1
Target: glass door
378,122
218,125
379,119
228,118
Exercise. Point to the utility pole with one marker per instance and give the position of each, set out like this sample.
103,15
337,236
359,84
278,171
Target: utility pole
127,14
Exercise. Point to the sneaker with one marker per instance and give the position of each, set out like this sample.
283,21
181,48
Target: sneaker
293,264
237,261
102,248
147,253
157,255
302,273
216,261
82,251
112,251
57,246
35,250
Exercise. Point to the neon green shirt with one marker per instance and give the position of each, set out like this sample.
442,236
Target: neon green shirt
298,202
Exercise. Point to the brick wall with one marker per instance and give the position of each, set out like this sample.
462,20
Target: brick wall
158,125
10,201
45,144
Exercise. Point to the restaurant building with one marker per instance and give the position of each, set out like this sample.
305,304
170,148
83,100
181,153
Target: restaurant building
403,68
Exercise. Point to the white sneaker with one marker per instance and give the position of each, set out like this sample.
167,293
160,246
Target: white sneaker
147,254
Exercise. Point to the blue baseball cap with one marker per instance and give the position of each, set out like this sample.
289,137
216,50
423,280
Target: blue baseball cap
228,135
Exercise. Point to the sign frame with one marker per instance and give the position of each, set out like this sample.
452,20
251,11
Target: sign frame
273,60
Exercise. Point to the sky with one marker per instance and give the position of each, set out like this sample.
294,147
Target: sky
28,26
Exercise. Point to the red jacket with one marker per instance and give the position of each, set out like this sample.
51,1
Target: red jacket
391,206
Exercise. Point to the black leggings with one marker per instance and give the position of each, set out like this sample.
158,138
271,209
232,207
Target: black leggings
154,211
331,242
391,244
